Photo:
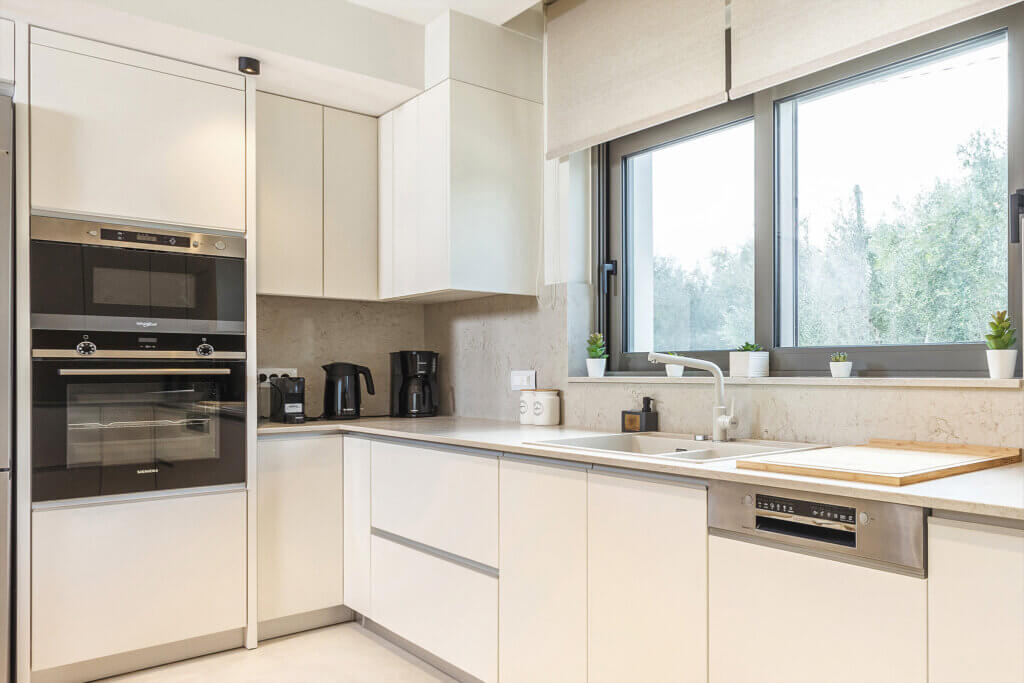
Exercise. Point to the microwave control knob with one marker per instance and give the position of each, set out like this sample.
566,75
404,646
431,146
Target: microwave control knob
220,244
863,518
86,348
748,499
204,350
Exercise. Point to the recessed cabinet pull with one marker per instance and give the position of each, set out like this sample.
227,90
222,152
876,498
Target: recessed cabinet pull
102,372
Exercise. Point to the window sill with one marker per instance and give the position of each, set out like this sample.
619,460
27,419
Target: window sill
893,382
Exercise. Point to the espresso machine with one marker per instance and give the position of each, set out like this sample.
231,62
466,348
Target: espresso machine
414,390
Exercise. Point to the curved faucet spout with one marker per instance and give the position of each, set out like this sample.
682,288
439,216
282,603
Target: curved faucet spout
697,364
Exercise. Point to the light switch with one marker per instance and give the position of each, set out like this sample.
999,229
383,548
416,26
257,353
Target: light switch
523,379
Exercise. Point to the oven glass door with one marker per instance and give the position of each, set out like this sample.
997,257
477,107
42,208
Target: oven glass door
83,287
102,427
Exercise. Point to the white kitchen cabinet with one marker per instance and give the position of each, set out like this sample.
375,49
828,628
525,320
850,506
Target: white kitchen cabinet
300,525
357,524
647,579
445,498
542,590
466,193
127,135
289,196
975,602
109,578
385,204
446,608
779,615
6,50
350,205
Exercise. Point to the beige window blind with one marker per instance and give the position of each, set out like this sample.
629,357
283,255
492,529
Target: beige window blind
774,41
618,66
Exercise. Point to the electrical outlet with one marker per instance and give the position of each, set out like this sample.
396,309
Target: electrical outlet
264,374
523,379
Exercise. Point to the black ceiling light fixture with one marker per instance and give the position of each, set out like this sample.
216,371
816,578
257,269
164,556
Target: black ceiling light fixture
249,66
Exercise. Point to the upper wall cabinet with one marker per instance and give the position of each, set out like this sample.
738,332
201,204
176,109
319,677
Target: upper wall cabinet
316,200
126,135
6,50
461,193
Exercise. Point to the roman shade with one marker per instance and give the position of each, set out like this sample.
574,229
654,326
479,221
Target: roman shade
618,66
774,41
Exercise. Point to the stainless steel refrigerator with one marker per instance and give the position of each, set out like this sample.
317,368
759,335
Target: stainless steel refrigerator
6,372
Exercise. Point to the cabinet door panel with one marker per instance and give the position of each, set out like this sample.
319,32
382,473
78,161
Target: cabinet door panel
975,603
386,205
406,214
350,205
300,525
116,140
357,525
432,237
647,587
289,196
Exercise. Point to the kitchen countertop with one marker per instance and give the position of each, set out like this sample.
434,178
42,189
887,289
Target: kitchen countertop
996,492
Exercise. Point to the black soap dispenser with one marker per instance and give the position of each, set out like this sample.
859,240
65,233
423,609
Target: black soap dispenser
645,420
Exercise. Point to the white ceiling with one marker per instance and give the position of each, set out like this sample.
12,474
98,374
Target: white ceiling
423,11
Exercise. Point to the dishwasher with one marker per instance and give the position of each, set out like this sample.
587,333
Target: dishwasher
806,587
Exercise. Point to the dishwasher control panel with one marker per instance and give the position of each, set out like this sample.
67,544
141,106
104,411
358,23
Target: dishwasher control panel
804,508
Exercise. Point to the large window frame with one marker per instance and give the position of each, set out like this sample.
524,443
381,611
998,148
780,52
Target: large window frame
937,360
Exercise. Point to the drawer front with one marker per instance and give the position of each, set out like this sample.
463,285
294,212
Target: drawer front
448,610
444,499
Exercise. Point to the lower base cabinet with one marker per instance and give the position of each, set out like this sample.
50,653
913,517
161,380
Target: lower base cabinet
115,577
448,609
357,524
975,602
780,616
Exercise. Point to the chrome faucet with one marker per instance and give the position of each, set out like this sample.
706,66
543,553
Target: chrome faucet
722,419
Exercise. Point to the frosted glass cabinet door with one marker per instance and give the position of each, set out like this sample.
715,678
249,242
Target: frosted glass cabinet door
126,135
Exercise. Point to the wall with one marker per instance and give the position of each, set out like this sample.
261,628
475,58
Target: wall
308,333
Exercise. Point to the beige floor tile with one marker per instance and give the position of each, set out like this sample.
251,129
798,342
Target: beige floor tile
345,653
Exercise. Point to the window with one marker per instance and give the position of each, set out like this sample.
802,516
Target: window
863,208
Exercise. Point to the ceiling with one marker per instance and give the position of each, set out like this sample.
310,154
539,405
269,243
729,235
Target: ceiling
423,11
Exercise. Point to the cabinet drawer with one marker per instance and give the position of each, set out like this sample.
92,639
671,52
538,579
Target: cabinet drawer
448,610
117,577
442,498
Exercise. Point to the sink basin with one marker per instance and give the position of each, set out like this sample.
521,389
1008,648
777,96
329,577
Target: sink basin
674,446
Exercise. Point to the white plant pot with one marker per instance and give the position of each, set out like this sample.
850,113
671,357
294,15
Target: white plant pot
842,369
1001,363
673,370
595,367
748,363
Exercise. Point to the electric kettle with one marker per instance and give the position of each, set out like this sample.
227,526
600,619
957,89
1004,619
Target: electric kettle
342,398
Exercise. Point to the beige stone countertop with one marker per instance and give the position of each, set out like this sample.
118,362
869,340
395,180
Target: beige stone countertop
997,492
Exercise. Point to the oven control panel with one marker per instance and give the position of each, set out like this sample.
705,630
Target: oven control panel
803,508
180,241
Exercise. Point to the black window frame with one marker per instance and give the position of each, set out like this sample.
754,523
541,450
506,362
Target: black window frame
609,184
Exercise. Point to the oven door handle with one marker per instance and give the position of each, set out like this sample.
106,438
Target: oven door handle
103,372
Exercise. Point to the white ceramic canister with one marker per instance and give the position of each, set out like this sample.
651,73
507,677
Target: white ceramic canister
546,407
526,407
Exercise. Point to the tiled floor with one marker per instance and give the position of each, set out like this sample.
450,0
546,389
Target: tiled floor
345,653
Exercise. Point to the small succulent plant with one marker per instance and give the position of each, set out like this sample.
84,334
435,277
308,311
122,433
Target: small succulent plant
750,346
1002,336
837,357
596,347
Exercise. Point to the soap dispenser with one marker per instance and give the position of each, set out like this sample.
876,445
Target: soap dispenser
644,420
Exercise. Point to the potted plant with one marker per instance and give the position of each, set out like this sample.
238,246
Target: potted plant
839,365
1002,359
749,360
597,355
671,369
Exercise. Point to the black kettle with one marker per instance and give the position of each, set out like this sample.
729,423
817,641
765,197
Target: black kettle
342,399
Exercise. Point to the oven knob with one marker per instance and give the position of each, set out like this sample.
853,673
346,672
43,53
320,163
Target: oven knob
86,348
204,350
863,518
220,244
748,499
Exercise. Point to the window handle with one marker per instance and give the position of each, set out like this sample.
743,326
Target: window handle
1016,209
607,270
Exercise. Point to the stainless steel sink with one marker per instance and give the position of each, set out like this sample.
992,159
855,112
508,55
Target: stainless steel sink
674,446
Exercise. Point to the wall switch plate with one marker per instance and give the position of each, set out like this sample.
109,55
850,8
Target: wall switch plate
523,379
267,373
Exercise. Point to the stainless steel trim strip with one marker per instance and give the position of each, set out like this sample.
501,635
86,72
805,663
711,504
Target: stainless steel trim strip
419,443
652,476
51,228
104,372
139,354
137,496
548,462
116,323
436,552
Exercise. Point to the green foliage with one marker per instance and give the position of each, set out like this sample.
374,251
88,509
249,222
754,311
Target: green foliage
837,357
596,348
1002,336
750,346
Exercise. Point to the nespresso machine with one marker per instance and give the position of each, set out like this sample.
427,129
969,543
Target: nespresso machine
414,384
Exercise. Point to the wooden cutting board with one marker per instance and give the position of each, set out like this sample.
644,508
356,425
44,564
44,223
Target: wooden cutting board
885,461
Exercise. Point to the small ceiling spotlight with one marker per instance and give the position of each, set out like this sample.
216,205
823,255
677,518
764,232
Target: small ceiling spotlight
249,65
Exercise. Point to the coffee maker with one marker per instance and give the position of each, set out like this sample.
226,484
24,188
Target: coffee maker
414,384
288,400
342,398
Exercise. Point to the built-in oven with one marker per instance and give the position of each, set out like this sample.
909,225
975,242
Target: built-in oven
98,276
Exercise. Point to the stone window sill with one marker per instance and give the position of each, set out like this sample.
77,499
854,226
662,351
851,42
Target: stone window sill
901,382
